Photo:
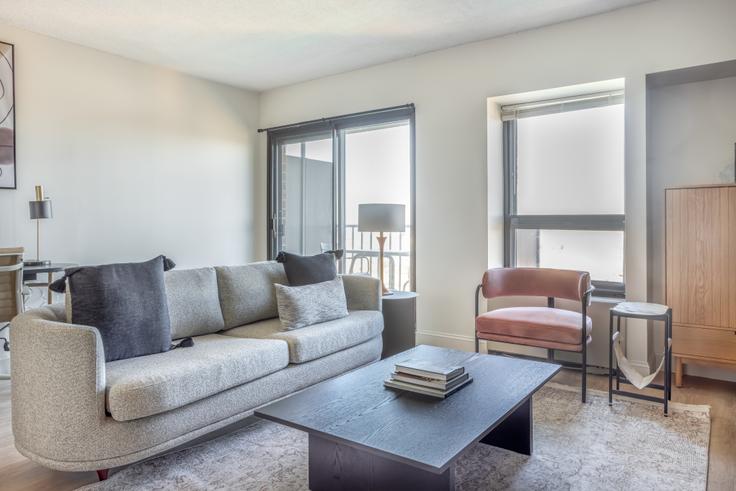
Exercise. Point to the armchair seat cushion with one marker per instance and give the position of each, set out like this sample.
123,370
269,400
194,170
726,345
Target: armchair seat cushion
318,340
148,385
542,324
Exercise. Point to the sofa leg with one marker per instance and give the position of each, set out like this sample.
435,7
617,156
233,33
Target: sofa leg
102,474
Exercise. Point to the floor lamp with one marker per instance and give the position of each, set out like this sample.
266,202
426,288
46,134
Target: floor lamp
382,218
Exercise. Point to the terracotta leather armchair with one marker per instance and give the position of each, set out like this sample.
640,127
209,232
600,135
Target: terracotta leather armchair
540,327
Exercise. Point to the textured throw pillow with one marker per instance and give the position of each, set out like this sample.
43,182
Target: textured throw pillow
125,302
301,306
307,270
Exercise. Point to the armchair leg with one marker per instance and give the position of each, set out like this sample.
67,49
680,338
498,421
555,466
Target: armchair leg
477,344
584,371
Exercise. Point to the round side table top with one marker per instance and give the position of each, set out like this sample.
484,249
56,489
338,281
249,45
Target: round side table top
399,295
640,309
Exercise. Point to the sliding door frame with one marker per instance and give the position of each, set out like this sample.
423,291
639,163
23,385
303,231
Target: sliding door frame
274,140
336,126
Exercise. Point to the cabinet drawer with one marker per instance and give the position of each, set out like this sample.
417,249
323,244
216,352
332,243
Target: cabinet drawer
704,342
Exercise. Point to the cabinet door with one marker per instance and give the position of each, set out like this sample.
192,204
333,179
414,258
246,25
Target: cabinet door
701,255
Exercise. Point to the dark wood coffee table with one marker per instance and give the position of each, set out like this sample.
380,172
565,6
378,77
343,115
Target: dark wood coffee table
363,436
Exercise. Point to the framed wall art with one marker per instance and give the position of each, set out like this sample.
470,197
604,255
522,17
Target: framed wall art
7,117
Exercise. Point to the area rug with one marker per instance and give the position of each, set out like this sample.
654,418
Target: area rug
577,446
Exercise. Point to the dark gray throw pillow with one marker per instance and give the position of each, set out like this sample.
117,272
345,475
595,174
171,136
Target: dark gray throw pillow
125,302
307,270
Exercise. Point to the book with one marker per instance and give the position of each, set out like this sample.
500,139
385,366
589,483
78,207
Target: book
429,369
429,382
441,394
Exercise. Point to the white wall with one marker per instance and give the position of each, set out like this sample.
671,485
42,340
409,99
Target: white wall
138,160
455,203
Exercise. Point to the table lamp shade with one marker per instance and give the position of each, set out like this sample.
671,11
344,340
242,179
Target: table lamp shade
381,217
41,206
40,209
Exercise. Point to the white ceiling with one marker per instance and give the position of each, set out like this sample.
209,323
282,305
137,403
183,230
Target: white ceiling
261,44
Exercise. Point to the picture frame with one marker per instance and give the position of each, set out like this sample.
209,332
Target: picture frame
8,177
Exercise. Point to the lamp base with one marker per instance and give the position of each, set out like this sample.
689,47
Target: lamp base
30,264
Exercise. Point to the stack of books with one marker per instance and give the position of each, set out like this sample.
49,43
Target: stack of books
428,378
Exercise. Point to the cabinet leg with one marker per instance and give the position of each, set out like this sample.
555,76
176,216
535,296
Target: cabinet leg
678,371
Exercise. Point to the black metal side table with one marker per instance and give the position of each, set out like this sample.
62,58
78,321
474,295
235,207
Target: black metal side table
649,312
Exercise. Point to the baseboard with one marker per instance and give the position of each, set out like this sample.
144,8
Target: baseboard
641,366
447,340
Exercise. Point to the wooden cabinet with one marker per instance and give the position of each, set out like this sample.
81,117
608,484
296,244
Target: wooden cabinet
700,273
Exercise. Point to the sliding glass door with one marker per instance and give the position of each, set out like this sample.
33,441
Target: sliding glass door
319,172
378,170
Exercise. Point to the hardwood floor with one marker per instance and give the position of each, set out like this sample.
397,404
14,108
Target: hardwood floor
19,473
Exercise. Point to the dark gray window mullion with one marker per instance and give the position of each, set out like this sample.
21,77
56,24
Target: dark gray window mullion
271,222
510,187
338,150
303,165
614,223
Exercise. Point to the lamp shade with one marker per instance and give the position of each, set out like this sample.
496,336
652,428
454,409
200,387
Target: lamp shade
40,209
381,217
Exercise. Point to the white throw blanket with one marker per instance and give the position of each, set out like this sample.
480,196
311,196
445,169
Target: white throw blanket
632,374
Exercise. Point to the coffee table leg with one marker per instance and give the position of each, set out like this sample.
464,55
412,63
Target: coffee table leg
333,466
515,432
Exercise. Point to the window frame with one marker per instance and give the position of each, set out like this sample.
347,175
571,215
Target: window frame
513,221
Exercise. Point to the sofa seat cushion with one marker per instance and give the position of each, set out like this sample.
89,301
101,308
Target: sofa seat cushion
533,323
147,385
318,340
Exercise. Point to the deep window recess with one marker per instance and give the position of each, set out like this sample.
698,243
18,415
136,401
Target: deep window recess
564,186
320,170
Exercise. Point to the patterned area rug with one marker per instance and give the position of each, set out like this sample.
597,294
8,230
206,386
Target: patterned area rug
576,447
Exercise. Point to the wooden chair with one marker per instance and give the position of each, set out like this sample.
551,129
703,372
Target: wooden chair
11,290
540,327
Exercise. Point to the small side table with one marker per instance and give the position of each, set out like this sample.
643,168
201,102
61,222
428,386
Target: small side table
649,312
399,322
30,274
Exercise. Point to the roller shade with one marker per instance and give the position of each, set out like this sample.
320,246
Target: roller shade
551,106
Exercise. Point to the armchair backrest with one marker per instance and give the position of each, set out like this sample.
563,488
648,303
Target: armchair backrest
11,283
535,282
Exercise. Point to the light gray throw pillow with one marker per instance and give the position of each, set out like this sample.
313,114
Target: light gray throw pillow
302,306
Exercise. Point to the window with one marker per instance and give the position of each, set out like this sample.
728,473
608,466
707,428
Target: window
320,171
564,186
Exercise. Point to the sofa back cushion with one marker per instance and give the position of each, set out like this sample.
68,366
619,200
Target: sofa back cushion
247,293
194,303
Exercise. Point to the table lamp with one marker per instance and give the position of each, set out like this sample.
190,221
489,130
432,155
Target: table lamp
381,218
40,209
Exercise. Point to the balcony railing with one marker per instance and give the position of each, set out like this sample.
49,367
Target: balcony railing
361,256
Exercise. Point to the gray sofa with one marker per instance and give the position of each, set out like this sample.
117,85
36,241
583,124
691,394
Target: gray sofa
74,412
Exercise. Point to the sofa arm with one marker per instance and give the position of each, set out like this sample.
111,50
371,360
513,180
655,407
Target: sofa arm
362,292
58,374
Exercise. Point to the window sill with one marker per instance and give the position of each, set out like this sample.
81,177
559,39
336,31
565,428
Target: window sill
607,300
